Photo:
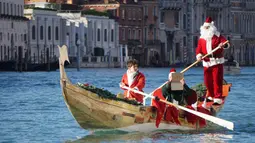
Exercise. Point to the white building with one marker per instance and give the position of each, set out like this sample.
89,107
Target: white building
44,34
98,39
103,34
75,31
13,30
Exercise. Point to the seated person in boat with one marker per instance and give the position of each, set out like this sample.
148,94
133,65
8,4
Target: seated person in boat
133,78
183,97
176,96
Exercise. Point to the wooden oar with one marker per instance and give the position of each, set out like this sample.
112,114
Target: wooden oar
224,123
192,65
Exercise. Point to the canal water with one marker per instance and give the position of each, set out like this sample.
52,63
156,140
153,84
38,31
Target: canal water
32,108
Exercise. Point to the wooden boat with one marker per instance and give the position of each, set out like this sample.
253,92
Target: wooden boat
94,112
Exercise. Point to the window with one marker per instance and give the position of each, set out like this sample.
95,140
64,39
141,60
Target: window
1,51
134,34
176,19
123,34
139,34
3,8
49,33
155,11
33,32
15,9
123,14
105,35
25,37
41,32
18,10
0,7
145,10
98,34
184,41
11,9
112,35
145,35
162,16
7,5
56,33
155,33
129,34
184,21
1,36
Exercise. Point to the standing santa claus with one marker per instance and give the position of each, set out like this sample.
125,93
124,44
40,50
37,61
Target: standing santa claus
210,39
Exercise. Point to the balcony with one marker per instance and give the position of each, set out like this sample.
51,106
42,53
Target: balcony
170,5
152,42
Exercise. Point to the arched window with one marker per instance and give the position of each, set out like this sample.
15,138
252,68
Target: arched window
41,32
56,33
49,33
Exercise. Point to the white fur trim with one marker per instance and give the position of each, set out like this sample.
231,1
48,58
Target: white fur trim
170,75
175,102
194,106
199,55
207,24
209,45
213,61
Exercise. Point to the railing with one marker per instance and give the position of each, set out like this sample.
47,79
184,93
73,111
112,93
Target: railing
153,42
101,59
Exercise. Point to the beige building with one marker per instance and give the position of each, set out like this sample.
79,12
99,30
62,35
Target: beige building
180,23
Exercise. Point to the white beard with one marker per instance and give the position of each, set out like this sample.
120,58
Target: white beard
207,34
131,76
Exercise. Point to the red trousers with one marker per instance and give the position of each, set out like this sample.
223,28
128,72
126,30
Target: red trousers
213,77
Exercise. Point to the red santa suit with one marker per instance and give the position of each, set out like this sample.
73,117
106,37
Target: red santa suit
213,64
134,80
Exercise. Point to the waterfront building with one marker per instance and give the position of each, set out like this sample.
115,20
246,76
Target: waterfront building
13,31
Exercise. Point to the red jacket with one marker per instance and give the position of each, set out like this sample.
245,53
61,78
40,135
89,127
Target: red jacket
202,49
138,82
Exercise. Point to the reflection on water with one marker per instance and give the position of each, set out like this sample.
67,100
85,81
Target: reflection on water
157,136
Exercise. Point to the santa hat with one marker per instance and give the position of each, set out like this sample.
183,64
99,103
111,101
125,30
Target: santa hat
173,70
208,21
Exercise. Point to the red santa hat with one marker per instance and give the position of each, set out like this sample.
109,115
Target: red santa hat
208,21
172,70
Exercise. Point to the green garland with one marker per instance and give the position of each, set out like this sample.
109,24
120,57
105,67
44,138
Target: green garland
200,89
106,94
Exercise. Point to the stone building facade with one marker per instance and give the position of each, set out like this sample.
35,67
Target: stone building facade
233,18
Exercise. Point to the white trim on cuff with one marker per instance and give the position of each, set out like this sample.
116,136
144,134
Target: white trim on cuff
199,55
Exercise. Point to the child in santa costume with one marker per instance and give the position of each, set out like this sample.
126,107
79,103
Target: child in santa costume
210,39
133,79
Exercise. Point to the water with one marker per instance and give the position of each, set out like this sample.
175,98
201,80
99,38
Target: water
32,108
